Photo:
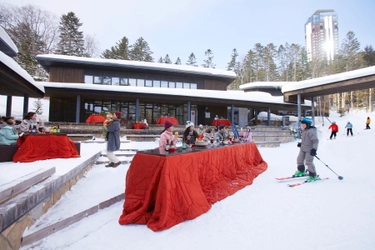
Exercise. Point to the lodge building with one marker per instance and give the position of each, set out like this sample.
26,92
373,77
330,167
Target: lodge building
79,87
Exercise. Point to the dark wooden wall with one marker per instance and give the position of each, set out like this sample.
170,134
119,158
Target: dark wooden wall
72,75
214,85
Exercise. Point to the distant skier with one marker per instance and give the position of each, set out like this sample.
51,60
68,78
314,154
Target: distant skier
349,129
368,121
308,147
334,129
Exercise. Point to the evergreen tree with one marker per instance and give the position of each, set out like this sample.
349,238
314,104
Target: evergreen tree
208,62
119,51
167,59
29,45
71,39
160,60
178,61
232,62
38,105
369,56
192,61
140,51
268,61
350,52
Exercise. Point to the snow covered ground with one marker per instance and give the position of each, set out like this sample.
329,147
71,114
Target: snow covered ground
267,215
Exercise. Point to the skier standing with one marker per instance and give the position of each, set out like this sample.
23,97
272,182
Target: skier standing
349,129
308,147
335,129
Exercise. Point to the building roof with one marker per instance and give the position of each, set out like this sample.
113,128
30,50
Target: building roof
263,85
15,81
49,60
7,46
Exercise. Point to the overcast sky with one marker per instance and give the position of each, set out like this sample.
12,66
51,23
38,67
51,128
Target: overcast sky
179,28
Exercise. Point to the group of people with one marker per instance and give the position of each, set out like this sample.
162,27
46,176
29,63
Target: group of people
9,134
191,134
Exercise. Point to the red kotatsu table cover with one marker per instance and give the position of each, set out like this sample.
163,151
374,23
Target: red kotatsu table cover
162,191
44,146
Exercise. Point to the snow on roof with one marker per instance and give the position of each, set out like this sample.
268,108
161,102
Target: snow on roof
255,96
13,65
252,85
137,64
329,79
7,41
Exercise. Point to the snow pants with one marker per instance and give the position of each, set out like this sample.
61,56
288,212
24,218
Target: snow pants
304,158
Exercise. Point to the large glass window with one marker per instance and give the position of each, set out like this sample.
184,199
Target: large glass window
107,80
164,84
157,84
132,82
124,81
115,81
97,79
140,82
148,83
193,85
172,85
89,79
179,85
186,85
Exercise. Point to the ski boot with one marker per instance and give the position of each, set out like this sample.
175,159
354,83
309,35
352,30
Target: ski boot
299,174
312,178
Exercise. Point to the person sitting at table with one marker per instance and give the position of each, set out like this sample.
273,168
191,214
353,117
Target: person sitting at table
221,135
167,136
29,123
113,139
216,117
8,135
249,134
201,129
190,135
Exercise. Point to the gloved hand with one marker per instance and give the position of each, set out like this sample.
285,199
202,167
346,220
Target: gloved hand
313,152
299,144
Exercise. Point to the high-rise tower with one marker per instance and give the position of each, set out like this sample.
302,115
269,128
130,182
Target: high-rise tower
322,35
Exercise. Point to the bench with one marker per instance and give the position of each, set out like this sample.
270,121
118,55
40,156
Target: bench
7,152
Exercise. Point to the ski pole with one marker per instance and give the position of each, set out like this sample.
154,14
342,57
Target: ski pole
340,177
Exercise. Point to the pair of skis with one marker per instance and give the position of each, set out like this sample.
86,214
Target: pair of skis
298,178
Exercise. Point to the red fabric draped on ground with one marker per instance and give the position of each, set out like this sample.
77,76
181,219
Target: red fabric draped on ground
162,191
43,147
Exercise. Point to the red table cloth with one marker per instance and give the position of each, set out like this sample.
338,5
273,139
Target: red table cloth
95,119
139,125
162,191
162,120
44,146
224,122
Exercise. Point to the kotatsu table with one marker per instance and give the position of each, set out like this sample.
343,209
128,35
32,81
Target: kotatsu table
162,120
33,147
224,122
164,190
95,119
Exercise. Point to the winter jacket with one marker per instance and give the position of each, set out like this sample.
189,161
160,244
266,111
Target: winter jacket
26,125
166,135
349,125
8,136
334,127
309,140
113,136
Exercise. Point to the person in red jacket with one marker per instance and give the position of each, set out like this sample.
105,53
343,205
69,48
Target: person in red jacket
334,129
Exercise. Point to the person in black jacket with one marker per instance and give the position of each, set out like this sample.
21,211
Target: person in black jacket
190,135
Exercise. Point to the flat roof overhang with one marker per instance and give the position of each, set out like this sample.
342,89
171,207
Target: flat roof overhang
108,95
342,86
12,84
